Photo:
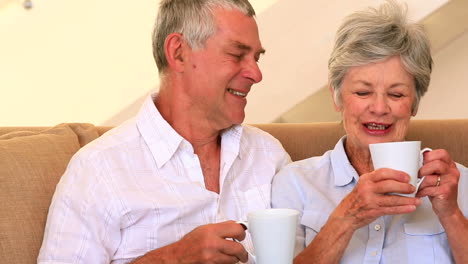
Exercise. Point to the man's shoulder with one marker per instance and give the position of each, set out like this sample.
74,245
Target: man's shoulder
255,134
111,141
257,140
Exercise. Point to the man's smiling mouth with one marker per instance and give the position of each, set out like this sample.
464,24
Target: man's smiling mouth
234,92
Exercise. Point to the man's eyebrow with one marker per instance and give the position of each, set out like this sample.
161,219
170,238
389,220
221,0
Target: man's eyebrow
242,46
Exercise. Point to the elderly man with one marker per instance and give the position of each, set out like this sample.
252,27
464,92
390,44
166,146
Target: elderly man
165,186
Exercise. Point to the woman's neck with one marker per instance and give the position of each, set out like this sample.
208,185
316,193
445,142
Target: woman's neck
359,157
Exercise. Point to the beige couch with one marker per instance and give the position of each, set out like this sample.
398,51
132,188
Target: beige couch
32,160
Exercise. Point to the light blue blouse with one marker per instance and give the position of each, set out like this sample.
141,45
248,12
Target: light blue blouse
315,186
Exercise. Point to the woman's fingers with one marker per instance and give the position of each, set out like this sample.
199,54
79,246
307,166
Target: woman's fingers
371,197
386,174
384,181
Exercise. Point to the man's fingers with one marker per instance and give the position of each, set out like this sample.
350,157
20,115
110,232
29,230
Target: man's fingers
230,229
235,249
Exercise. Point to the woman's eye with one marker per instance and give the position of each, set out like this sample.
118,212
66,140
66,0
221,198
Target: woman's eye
362,93
396,95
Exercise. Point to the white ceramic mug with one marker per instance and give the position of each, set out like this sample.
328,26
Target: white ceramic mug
404,156
273,233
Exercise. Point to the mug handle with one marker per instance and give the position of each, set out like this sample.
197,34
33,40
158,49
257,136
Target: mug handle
421,161
245,225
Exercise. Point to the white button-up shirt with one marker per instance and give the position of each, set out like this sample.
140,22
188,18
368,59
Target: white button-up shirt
140,187
316,186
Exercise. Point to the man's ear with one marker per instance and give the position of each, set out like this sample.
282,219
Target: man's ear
335,104
174,48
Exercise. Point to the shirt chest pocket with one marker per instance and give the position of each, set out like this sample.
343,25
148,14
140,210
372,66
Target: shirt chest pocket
427,242
258,197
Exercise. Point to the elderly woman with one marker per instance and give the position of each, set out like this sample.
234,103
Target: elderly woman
378,71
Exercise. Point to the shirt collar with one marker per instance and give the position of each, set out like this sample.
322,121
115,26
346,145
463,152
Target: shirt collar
230,141
343,170
162,140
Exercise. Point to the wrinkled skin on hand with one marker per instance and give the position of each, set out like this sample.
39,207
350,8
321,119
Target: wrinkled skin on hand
370,199
207,244
438,163
211,244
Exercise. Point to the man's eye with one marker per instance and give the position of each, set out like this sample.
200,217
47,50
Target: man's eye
237,56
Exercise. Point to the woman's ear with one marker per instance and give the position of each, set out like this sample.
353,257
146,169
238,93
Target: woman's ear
174,48
415,110
335,104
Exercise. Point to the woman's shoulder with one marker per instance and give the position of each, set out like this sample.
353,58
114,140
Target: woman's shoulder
319,166
313,163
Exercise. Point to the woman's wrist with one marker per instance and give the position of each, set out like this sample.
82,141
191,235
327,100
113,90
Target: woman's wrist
342,225
452,220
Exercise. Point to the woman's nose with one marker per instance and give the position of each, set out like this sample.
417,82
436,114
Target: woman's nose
379,105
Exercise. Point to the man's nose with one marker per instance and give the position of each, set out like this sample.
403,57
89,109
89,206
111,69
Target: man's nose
253,72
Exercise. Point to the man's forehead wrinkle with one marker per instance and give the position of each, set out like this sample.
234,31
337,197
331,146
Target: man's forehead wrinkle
243,46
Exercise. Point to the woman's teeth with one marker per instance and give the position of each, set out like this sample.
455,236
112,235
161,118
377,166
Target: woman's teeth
374,126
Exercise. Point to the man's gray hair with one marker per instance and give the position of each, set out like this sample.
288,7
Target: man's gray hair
191,18
374,35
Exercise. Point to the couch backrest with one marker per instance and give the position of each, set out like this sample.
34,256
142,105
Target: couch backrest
313,139
32,163
303,140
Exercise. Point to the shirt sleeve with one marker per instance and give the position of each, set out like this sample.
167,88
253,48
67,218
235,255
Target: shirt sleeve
463,189
286,194
81,225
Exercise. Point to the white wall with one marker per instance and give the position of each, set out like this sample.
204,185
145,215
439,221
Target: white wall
298,36
447,96
91,60
76,61
73,61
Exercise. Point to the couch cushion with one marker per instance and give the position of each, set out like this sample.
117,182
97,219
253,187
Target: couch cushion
31,163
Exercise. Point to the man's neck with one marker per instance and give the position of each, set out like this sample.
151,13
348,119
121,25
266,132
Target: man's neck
196,129
192,125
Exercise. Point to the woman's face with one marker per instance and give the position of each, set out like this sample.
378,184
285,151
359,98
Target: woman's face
376,103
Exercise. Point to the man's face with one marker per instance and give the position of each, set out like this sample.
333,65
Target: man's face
220,75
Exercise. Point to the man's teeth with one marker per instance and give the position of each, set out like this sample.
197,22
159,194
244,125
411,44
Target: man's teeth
237,92
374,126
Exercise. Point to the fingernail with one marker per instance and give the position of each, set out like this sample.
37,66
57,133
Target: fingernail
243,226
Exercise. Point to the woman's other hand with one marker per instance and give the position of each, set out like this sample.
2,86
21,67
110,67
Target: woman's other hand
441,183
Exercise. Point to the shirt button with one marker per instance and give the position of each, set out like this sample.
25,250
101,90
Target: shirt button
374,253
377,227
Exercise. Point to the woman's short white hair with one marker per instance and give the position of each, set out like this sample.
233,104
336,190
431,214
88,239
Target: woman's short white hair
191,18
376,34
